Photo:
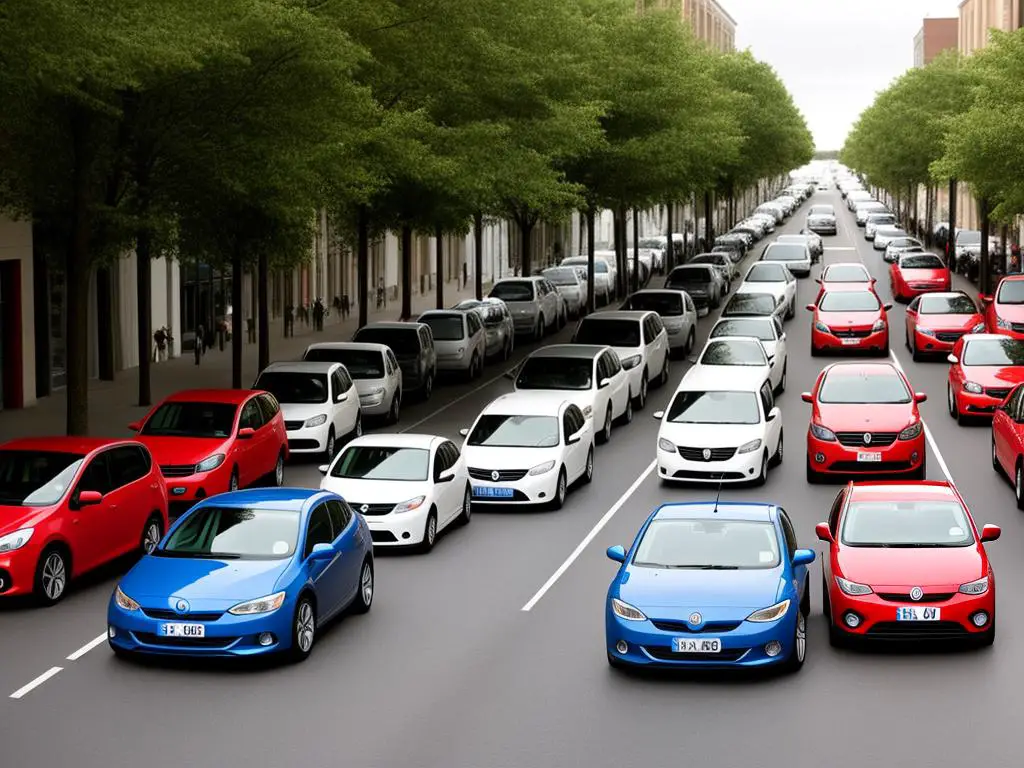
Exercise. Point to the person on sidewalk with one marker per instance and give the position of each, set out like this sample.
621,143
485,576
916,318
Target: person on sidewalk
199,346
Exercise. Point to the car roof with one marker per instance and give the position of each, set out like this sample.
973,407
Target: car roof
396,440
655,291
527,403
230,396
284,499
301,366
442,313
619,314
721,510
986,337
581,351
63,444
924,490
792,238
717,378
398,325
767,319
363,346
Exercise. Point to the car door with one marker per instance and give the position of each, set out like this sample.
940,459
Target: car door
660,341
773,429
346,400
251,452
1006,428
691,313
781,351
348,542
133,495
327,576
393,372
792,545
620,382
576,453
451,492
911,316
791,289
427,352
602,395
475,329
90,531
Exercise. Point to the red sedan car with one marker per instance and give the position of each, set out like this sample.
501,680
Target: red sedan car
71,504
916,273
936,321
906,562
844,276
850,320
864,420
1004,312
983,370
209,441
1008,441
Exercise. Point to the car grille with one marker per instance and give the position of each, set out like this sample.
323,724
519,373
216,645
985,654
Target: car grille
949,336
159,613
856,439
999,394
661,653
917,630
504,475
383,537
372,509
303,445
1017,327
697,454
689,474
682,626
148,638
870,467
178,470
934,597
293,426
848,333
923,286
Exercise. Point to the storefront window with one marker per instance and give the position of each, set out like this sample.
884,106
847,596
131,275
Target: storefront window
58,349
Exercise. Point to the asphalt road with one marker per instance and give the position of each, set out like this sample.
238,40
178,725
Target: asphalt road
489,651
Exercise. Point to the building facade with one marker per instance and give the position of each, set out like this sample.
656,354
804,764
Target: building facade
708,19
17,316
934,37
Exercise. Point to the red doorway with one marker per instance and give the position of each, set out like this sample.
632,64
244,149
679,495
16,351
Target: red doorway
12,394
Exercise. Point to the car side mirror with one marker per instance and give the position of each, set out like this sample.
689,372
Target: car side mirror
323,469
810,307
991,533
575,437
658,415
823,533
246,433
510,374
135,426
952,359
341,398
447,476
89,498
617,553
782,336
920,397
803,557
985,299
887,307
321,551
464,432
604,383
774,413
806,397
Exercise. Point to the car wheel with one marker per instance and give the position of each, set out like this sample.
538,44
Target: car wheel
364,598
560,490
538,332
428,386
641,398
690,341
915,353
331,447
782,382
663,379
429,533
233,482
606,431
467,506
151,535
627,417
277,477
471,374
791,310
995,458
395,409
795,661
303,629
762,476
1018,484
52,576
588,471
506,352
777,458
951,406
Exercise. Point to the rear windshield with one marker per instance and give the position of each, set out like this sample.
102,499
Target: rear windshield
562,373
611,333
785,252
562,276
445,327
294,387
734,352
921,261
750,304
513,290
842,273
665,304
690,276
757,327
361,363
401,341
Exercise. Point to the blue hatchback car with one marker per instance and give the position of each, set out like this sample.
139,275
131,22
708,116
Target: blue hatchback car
246,573
709,584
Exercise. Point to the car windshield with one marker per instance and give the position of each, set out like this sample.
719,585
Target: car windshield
849,301
968,237
404,343
612,333
921,261
513,290
600,267
904,242
294,387
759,328
505,431
36,478
1000,352
665,304
445,327
1010,292
874,388
382,462
360,363
785,252
734,352
182,418
750,304
932,304
708,545
234,533
881,218
793,239
718,259
714,408
766,273
689,276
846,273
562,276
652,242
906,524
572,373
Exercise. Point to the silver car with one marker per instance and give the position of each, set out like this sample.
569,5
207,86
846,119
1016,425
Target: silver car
901,245
702,282
498,326
374,369
572,289
459,340
533,306
677,311
794,255
886,234
723,263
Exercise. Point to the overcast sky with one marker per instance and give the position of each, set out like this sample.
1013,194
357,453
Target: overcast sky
834,56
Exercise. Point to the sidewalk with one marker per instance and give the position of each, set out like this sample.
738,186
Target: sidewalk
114,404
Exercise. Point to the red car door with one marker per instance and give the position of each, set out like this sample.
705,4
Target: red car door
277,436
90,525
135,494
1006,430
911,317
246,450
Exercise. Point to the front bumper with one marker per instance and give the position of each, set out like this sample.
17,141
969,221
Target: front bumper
823,229
932,343
985,404
18,570
834,458
800,269
454,363
740,468
183,492
878,616
528,490
398,529
874,341
917,289
309,439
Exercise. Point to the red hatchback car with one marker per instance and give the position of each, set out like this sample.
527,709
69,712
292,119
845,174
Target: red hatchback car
209,441
864,420
916,273
984,368
936,321
906,562
850,320
1008,441
1004,311
71,504
844,276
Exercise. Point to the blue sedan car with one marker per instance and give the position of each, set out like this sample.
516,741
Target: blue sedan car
244,574
710,584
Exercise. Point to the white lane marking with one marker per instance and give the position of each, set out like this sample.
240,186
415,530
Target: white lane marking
927,432
27,689
590,537
87,647
840,248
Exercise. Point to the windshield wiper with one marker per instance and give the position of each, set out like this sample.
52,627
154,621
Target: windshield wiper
705,567
197,555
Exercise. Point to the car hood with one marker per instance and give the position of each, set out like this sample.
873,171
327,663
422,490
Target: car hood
484,457
710,435
185,450
866,418
897,569
206,584
14,517
925,275
675,594
994,375
848,319
303,411
949,322
1011,312
357,492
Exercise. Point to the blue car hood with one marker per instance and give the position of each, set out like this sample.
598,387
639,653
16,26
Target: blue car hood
204,583
682,591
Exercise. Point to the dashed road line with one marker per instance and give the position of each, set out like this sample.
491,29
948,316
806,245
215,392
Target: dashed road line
27,689
927,432
87,647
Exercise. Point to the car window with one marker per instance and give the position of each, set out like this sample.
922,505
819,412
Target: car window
1001,352
757,327
319,530
341,516
789,532
576,418
849,301
97,475
296,387
846,273
442,461
613,363
127,464
1010,292
344,381
252,417
269,406
921,261
933,304
845,386
570,373
833,516
1014,404
614,333
926,523
513,290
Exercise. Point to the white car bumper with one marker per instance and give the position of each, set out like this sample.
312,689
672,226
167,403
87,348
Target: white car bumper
309,439
400,529
529,489
741,468
677,335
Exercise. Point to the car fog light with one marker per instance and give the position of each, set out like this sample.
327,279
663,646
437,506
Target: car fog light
266,638
852,620
914,456
405,535
111,632
621,646
819,458
980,619
750,471
774,648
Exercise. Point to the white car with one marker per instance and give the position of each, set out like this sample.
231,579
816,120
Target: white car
900,245
845,272
319,403
727,352
676,310
373,367
722,426
885,235
876,220
857,196
774,278
639,339
591,376
571,287
604,275
796,257
527,448
865,208
768,330
408,488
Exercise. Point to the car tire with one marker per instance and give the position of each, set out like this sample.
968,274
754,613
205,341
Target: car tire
606,431
665,372
331,446
588,470
474,363
538,332
1018,484
776,459
951,406
303,629
561,490
690,341
394,412
429,533
782,382
364,595
53,572
640,401
815,352
467,506
627,417
428,387
277,474
795,661
762,476
791,310
152,532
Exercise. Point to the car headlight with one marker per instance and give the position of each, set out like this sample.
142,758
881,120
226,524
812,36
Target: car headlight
822,328
822,433
926,332
206,465
979,328
852,587
772,613
16,540
879,325
316,421
973,387
588,411
627,611
631,362
540,469
914,430
978,587
266,604
1006,325
409,505
124,602
665,445
750,447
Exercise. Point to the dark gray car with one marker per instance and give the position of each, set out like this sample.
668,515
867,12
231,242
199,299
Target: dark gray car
413,345
703,282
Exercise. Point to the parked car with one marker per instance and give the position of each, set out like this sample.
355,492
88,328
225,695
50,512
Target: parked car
702,282
571,286
533,304
459,341
723,263
499,328
676,310
374,369
796,256
604,275
413,346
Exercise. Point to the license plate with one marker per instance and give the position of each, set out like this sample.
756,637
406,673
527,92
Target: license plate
917,613
486,491
851,342
182,630
869,457
702,645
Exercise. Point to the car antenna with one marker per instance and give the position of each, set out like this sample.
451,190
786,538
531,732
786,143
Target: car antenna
718,494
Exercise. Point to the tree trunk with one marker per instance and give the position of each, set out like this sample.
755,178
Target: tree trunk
951,234
144,317
478,255
363,264
591,298
636,249
929,215
619,227
985,275
406,272
709,224
439,265
670,250
237,333
526,249
76,281
105,324
262,310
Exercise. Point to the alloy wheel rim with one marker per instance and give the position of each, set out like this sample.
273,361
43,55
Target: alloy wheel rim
561,487
330,445
590,463
305,626
366,584
233,484
781,439
949,398
431,529
359,427
279,471
643,389
629,410
151,539
607,425
54,576
1019,484
801,637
